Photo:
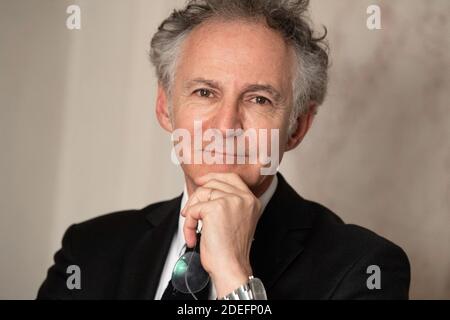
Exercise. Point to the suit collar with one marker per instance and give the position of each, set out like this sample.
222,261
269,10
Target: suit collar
157,216
280,233
143,266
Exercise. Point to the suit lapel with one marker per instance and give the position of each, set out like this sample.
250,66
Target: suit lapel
280,234
143,266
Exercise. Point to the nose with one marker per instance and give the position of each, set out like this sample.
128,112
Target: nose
227,116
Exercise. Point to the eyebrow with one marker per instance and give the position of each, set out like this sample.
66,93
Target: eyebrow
209,83
277,97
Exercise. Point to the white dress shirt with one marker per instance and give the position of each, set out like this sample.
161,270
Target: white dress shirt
177,246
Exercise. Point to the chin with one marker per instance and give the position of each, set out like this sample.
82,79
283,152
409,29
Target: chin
250,174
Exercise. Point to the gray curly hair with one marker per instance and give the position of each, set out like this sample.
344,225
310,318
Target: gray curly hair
288,17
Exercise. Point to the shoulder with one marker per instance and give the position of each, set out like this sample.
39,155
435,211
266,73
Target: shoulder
112,232
350,252
118,221
98,247
328,238
338,235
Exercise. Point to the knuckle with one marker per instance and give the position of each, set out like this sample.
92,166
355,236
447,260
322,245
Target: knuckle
248,197
222,203
213,181
200,190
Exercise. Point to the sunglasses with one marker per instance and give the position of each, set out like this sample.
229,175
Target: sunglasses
188,275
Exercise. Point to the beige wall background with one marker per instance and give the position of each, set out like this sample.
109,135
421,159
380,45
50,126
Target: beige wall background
78,136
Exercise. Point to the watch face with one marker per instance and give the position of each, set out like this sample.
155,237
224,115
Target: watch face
258,290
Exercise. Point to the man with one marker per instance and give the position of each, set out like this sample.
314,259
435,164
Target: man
233,66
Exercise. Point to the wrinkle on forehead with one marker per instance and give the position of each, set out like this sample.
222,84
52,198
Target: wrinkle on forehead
238,51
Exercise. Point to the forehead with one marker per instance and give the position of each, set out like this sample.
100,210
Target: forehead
237,51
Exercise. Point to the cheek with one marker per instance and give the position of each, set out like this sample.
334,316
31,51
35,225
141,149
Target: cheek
252,118
183,117
185,113
276,120
283,134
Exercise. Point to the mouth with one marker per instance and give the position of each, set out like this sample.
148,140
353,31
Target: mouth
218,153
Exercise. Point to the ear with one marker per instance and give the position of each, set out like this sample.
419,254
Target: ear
304,122
162,109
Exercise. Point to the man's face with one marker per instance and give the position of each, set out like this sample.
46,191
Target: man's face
233,75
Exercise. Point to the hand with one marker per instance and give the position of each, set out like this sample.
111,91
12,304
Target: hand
229,212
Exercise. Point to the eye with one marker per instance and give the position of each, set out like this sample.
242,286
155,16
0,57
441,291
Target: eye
261,100
204,93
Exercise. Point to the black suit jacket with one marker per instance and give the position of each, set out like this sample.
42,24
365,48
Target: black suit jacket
301,250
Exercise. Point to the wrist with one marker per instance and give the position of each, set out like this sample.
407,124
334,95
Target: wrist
229,279
253,289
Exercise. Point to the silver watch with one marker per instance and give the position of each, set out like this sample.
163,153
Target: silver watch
252,290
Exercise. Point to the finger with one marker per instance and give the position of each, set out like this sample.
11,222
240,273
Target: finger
199,195
222,186
190,231
193,214
202,194
230,178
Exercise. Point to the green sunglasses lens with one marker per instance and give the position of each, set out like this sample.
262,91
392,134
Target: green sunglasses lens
188,275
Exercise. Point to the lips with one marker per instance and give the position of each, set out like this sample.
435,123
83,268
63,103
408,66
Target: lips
243,155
